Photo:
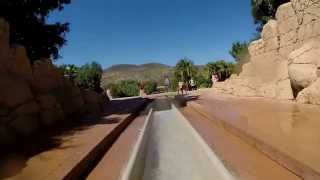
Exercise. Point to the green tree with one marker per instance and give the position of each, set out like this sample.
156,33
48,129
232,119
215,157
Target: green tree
89,76
185,70
202,80
238,50
29,26
264,10
69,70
222,68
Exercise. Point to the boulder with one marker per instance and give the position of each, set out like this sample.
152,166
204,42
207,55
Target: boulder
284,90
302,75
267,90
284,12
4,119
18,63
47,77
270,30
27,108
311,94
72,105
282,70
7,136
303,64
93,109
308,53
256,47
91,97
50,117
286,18
47,101
14,91
4,42
4,111
25,125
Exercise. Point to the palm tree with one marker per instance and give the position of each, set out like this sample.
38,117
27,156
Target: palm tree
185,70
222,68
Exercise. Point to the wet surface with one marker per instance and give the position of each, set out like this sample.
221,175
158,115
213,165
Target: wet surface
291,129
243,160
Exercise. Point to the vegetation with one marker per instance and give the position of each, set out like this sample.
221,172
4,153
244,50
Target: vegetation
150,87
125,88
86,76
222,68
173,84
240,53
89,76
185,70
203,80
264,10
238,50
69,70
146,72
43,40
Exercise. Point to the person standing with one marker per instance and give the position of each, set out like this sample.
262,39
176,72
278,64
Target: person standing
214,78
167,84
180,87
141,87
193,84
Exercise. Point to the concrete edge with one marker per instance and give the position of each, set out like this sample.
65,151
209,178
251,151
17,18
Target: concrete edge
137,149
87,164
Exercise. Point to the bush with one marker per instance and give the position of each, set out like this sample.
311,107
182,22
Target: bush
173,84
89,76
150,87
69,70
126,88
203,82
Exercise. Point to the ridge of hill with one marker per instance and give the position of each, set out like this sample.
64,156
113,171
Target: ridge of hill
144,72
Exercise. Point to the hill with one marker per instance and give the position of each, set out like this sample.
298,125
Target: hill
144,72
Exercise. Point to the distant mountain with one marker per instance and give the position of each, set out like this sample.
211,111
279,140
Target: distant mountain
125,67
144,72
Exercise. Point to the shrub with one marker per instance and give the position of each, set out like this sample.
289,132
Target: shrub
203,82
89,76
150,87
126,88
173,84
69,70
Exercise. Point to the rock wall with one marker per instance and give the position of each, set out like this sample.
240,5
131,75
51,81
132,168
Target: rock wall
285,62
36,96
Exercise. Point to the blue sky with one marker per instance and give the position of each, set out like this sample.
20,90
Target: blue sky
141,31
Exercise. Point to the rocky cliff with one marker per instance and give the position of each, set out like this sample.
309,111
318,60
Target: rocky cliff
285,62
36,96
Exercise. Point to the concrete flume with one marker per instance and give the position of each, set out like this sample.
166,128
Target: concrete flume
169,148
